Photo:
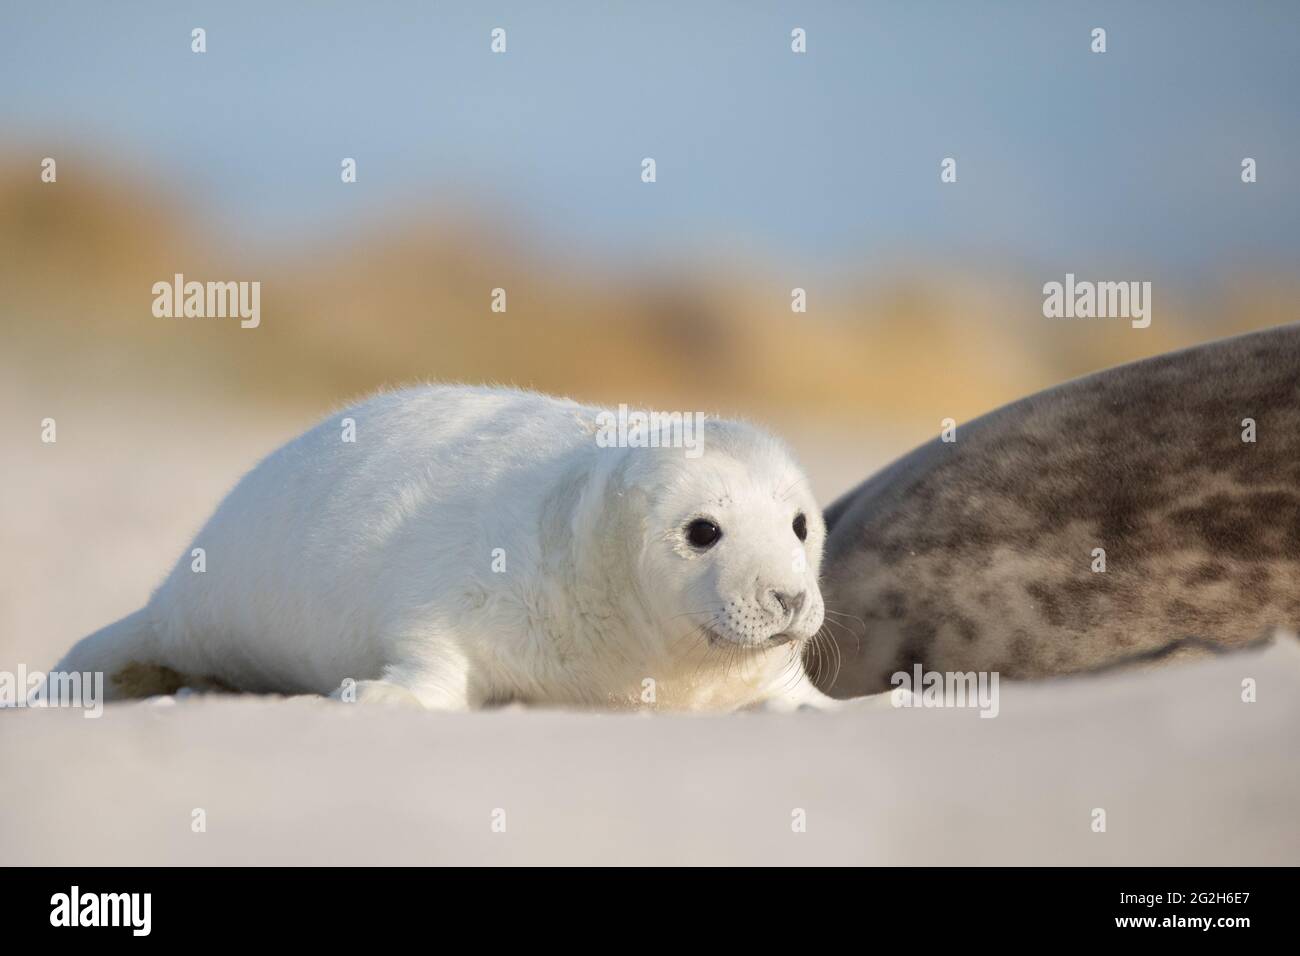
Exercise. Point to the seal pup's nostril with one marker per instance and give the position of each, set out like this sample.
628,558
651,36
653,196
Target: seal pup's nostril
790,603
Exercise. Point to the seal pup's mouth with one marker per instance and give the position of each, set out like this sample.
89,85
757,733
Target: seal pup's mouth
715,639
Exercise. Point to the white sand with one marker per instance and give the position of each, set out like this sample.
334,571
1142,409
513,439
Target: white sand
1186,772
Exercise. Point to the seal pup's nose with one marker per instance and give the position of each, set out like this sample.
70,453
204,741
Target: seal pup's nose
790,603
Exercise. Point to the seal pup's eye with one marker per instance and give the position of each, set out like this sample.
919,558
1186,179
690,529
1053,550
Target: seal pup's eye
801,527
703,533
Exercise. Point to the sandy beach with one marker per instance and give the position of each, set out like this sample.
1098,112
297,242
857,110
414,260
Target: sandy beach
1168,755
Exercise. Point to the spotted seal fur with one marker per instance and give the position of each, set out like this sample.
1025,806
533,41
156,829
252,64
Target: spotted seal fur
979,554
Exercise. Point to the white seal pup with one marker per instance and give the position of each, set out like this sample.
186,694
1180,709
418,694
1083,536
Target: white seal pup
471,546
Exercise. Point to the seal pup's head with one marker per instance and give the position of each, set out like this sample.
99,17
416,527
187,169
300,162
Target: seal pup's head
730,542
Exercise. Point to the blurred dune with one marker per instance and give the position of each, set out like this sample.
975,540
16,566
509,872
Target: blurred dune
407,297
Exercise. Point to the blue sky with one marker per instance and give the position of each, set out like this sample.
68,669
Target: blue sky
1126,161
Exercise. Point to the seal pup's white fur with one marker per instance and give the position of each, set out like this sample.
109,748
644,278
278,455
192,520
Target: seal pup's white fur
377,561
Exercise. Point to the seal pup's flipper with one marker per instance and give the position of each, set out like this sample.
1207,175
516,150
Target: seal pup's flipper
126,652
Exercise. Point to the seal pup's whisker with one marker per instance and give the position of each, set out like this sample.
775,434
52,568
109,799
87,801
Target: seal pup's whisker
691,613
793,671
842,614
834,643
785,495
830,649
855,633
819,659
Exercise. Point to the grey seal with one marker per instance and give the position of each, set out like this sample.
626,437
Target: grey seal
1095,522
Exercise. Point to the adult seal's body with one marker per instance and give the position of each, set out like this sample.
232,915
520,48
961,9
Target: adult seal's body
987,553
473,546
